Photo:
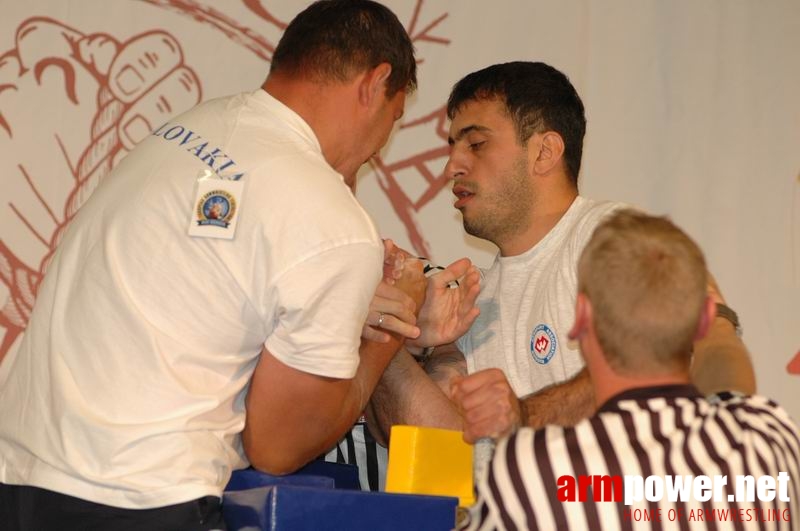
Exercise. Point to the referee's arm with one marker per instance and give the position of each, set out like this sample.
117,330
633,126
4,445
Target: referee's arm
721,361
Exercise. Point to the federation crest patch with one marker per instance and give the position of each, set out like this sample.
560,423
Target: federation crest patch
543,344
216,207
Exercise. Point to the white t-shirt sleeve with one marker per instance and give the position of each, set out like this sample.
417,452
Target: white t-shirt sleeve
322,304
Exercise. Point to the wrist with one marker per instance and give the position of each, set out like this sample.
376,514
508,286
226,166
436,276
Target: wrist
414,350
523,413
420,354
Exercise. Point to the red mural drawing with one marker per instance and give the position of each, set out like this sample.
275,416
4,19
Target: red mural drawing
109,94
112,93
794,365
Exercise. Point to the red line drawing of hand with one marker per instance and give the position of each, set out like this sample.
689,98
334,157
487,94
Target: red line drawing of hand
83,101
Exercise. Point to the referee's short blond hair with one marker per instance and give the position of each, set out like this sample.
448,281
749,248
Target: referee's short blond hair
647,283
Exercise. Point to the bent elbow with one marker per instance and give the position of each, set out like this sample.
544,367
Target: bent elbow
273,461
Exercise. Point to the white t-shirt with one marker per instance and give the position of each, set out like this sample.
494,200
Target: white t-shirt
527,305
129,385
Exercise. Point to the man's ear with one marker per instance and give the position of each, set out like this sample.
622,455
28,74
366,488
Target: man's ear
707,315
373,83
583,316
551,151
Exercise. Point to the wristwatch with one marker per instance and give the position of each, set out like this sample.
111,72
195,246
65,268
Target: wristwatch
728,314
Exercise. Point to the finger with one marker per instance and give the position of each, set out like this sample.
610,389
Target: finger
177,92
371,334
413,281
141,63
472,277
470,283
401,328
489,403
486,377
477,430
388,249
488,419
492,430
40,38
98,52
455,393
401,313
498,412
469,295
466,321
391,299
452,272
469,288
9,77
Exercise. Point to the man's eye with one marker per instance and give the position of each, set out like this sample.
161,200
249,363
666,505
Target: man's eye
476,145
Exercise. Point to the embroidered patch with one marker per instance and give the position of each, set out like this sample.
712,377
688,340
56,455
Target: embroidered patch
216,207
543,344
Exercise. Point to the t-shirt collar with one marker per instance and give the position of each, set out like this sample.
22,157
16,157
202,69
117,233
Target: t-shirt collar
646,393
287,116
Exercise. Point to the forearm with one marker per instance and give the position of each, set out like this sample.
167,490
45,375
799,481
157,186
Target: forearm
292,417
721,362
563,404
407,395
375,357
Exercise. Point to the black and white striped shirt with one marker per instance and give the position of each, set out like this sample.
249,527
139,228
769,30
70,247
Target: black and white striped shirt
666,431
358,447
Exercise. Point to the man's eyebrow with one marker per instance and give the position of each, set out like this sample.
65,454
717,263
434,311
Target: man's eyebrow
464,131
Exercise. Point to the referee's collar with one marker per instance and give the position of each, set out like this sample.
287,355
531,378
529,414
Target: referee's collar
646,393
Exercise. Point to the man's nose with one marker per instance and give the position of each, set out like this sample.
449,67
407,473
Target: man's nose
455,167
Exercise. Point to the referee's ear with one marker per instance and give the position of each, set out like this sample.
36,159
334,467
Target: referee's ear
583,315
707,315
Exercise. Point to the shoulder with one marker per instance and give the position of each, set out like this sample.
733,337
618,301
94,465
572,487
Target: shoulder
752,406
546,445
586,215
302,186
591,212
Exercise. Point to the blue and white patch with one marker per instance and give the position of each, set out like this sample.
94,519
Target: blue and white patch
543,344
215,210
216,207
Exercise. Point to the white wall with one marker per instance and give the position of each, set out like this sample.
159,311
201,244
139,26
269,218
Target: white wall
693,108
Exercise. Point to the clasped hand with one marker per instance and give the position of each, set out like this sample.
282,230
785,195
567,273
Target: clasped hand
427,312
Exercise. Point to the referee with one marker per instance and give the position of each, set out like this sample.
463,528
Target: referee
642,302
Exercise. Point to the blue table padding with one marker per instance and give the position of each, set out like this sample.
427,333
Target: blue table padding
250,479
287,507
341,476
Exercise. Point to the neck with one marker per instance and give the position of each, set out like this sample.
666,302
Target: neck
608,383
605,389
312,101
545,213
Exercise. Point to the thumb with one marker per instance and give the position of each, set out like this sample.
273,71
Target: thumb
452,272
455,389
